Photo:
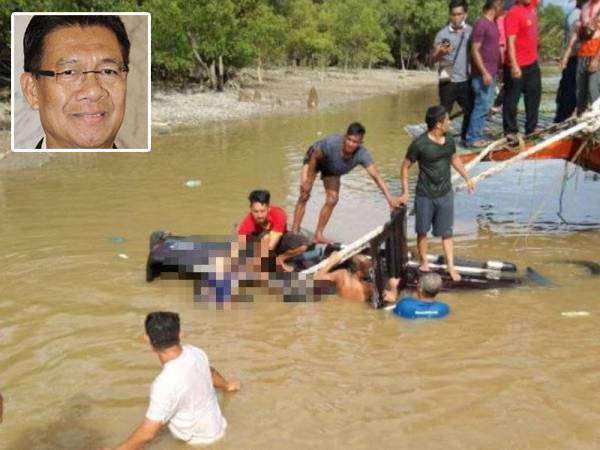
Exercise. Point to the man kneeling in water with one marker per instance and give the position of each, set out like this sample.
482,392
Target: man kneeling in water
354,283
424,306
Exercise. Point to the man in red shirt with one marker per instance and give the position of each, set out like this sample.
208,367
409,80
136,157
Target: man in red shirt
521,70
270,223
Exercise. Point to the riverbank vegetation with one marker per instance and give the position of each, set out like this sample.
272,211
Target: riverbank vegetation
208,41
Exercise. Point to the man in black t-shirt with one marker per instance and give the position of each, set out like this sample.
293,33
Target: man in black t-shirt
435,151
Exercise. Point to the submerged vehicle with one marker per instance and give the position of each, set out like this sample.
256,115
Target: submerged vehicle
189,257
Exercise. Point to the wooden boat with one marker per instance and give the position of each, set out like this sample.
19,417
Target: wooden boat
575,149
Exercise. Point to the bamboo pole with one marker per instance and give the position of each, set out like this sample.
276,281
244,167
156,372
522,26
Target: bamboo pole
588,124
348,251
491,147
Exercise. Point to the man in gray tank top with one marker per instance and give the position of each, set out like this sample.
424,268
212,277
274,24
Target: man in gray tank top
334,156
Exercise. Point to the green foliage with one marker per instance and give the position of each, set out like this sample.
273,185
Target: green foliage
551,24
190,37
266,34
171,49
411,26
357,33
309,39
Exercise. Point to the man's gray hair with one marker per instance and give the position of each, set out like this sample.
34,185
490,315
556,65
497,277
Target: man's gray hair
430,284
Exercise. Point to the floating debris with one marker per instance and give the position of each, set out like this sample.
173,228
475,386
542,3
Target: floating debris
575,314
193,183
123,256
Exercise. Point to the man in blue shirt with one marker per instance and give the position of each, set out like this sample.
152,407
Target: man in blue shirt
424,306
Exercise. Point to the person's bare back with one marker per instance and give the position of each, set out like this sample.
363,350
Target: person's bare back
353,284
349,285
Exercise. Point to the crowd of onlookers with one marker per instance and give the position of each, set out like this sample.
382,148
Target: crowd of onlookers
501,49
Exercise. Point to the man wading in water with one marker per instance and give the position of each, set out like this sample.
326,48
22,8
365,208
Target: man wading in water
435,151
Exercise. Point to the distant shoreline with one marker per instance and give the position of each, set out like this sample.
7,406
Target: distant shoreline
284,91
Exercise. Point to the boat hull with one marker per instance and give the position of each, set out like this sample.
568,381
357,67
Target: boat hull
566,149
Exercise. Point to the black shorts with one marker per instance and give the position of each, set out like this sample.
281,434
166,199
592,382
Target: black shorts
438,212
290,241
320,167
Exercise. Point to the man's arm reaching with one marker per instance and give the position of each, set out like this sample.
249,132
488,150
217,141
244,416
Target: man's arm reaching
460,168
220,382
380,182
141,436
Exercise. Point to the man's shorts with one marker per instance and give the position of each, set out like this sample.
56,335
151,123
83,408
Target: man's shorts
438,212
290,241
325,172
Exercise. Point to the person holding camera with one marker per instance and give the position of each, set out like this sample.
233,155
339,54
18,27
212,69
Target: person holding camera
587,32
451,52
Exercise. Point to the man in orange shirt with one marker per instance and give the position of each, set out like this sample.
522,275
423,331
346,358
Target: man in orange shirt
588,33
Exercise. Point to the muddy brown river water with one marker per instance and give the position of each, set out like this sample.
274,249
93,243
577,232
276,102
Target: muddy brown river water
506,370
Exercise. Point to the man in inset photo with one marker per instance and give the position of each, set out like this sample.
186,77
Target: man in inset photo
76,70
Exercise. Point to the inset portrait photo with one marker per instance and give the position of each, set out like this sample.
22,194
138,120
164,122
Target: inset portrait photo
80,82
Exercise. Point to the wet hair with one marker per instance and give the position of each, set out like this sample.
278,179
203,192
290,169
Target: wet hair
430,284
356,128
359,263
162,327
41,25
491,4
434,115
457,4
261,196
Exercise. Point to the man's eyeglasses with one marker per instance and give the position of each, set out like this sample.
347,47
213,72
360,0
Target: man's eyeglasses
72,77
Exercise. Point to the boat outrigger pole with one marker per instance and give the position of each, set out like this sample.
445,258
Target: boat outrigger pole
588,123
392,236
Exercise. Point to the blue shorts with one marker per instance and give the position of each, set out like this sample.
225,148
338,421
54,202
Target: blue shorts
436,212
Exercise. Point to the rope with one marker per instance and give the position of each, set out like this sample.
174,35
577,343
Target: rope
589,122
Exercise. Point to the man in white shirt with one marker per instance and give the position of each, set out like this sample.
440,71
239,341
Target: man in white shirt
183,394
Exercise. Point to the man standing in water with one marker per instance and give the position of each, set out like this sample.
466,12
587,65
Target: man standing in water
334,156
435,151
183,394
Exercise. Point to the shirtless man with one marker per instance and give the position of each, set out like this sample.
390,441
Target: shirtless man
354,283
